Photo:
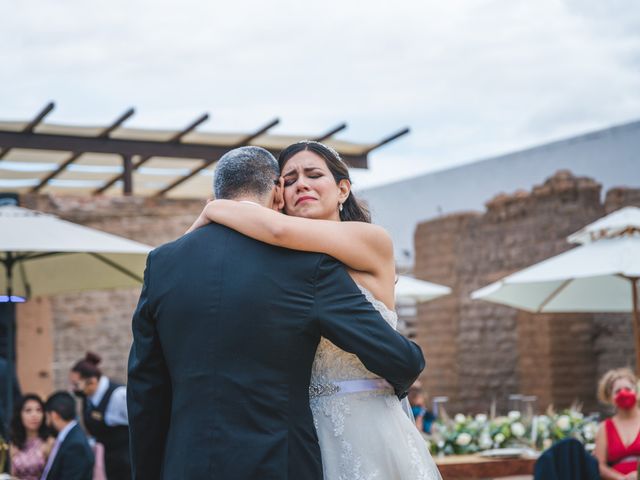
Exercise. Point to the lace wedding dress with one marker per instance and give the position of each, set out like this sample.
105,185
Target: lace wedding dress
363,431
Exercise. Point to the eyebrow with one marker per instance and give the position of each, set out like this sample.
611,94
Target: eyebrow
306,170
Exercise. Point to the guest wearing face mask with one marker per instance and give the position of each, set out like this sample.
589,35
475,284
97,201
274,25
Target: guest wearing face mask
618,438
104,411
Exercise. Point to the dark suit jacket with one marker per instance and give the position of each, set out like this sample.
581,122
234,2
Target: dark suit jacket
225,333
566,460
74,459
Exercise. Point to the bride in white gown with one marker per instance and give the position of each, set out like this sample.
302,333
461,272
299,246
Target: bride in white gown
363,431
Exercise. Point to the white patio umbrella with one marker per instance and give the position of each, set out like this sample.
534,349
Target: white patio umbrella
44,255
601,275
418,290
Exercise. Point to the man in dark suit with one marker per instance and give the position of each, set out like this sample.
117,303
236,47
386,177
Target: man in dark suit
224,337
71,456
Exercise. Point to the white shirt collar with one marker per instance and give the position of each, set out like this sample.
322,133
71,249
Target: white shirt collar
250,202
103,386
65,431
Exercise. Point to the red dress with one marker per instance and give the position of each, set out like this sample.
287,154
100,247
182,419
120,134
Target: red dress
621,458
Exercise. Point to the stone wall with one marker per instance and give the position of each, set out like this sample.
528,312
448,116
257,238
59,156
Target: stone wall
477,351
96,321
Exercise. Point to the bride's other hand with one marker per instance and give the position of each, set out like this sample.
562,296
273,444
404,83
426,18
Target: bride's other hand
202,219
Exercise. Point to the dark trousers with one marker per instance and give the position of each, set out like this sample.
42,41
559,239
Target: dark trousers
117,464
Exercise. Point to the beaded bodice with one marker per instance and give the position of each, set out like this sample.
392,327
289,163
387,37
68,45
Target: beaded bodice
333,364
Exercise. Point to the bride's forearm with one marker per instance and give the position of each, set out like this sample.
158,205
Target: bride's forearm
252,220
360,246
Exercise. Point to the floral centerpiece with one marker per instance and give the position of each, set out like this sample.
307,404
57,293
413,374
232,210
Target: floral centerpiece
465,434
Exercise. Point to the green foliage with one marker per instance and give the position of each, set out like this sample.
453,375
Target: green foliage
465,434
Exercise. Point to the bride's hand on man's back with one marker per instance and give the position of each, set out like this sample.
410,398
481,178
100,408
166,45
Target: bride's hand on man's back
202,219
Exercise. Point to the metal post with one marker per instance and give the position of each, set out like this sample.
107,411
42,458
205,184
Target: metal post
10,362
127,173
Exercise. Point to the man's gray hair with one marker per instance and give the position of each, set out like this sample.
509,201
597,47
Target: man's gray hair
245,171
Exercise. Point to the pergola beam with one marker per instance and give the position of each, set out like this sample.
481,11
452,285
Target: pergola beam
136,151
74,156
32,124
116,146
212,160
174,139
122,146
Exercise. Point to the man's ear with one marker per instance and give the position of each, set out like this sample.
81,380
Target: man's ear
278,196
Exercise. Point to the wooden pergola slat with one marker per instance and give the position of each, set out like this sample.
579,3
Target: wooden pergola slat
175,139
136,149
104,134
331,132
389,139
212,160
32,124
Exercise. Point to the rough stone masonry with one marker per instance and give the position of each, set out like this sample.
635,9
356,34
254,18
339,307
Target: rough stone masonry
477,351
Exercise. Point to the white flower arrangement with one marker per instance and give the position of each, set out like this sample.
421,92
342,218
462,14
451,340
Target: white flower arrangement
460,418
464,439
514,415
481,418
470,434
518,430
564,422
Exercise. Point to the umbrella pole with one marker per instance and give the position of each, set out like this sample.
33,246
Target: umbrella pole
636,321
10,363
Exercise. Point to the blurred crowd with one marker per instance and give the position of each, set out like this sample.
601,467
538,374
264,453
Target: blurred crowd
50,441
87,437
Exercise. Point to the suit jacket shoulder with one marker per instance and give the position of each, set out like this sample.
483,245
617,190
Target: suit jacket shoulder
74,459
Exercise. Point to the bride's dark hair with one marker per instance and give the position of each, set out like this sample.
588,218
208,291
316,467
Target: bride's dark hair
352,209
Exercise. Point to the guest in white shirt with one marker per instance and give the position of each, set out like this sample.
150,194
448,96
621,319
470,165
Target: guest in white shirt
104,411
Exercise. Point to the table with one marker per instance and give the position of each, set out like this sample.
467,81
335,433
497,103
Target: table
455,467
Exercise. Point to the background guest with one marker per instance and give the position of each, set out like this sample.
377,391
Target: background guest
30,439
104,412
71,456
417,399
618,438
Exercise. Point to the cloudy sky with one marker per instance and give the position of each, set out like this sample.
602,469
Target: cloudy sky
471,78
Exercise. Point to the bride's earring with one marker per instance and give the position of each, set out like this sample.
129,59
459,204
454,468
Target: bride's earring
340,207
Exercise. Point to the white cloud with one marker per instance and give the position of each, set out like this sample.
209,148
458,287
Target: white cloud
471,77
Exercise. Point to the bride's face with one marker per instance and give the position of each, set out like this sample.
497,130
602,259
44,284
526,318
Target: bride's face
310,190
